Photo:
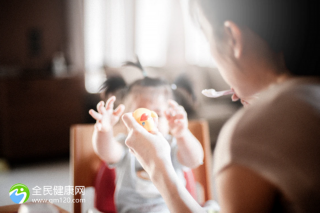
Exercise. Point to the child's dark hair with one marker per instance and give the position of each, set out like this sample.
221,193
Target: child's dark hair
183,92
148,82
115,85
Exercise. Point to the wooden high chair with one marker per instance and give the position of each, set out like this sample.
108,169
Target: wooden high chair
85,163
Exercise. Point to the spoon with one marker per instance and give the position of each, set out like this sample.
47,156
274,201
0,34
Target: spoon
212,93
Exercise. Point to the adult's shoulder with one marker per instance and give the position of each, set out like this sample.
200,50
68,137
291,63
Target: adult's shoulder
283,116
283,108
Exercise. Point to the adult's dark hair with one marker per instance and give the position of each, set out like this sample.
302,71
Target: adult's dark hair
288,26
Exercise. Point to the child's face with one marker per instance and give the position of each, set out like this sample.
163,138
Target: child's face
156,102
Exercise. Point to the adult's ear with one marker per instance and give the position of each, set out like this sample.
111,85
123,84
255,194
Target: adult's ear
234,37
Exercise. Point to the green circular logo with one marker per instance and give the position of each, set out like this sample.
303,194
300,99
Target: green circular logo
19,193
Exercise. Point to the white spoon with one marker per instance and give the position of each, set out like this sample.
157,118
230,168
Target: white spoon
212,93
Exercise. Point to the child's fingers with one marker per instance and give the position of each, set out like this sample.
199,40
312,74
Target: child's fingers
167,115
181,113
119,110
173,103
178,121
171,112
175,108
95,115
100,107
110,103
180,110
172,106
179,116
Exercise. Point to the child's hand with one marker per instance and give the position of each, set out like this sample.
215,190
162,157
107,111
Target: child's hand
106,117
177,118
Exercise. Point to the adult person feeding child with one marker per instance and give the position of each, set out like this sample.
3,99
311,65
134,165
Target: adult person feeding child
267,155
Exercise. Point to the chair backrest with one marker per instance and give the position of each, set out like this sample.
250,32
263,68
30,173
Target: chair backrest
85,163
203,176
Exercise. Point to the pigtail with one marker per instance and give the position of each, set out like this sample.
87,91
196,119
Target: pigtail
137,65
114,85
183,82
184,94
160,83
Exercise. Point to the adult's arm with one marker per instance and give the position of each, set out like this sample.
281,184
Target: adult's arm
153,152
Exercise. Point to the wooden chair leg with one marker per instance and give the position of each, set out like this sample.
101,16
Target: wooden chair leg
77,206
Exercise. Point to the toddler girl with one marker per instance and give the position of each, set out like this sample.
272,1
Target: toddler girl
134,190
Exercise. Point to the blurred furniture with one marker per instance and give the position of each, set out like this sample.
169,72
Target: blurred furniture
36,114
85,163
